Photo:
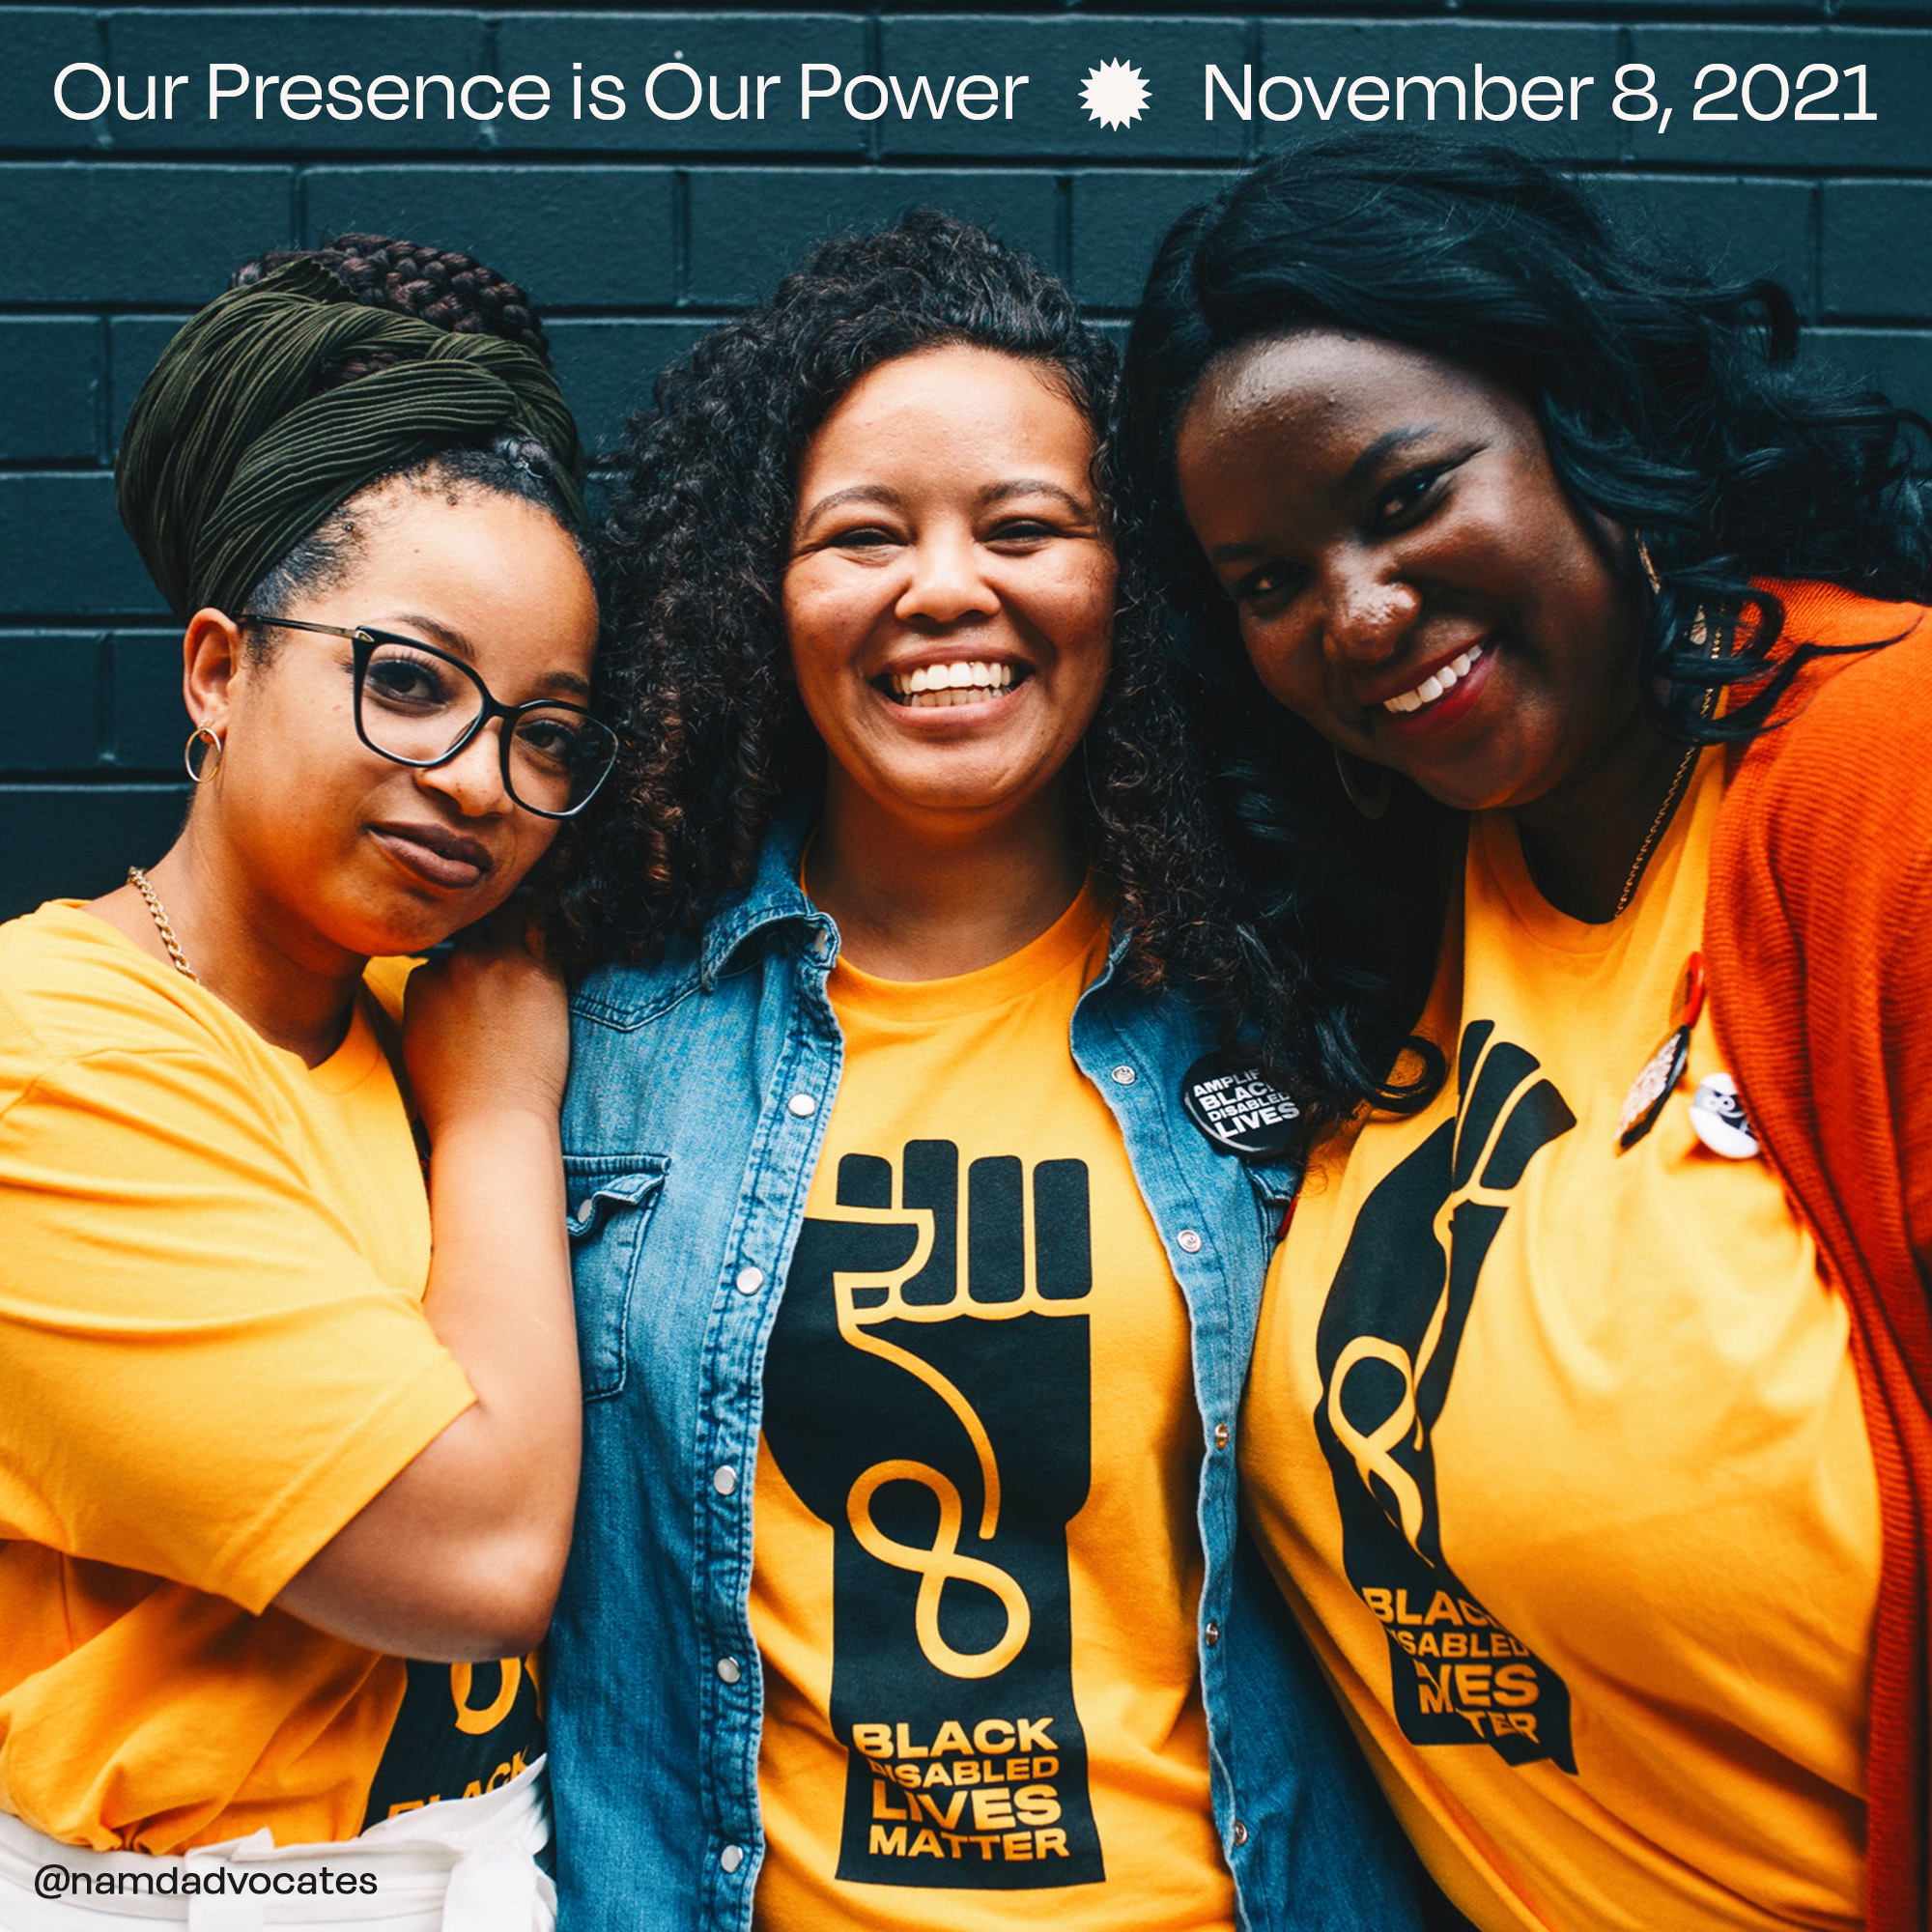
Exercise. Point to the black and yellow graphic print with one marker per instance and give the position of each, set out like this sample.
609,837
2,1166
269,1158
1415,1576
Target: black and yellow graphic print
1387,1346
927,1394
463,1729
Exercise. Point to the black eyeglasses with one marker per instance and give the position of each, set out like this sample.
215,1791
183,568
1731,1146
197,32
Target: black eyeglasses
419,705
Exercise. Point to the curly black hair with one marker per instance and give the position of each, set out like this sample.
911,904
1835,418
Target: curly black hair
1675,406
694,663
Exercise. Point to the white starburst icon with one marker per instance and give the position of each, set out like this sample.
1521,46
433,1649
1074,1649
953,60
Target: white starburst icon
1114,93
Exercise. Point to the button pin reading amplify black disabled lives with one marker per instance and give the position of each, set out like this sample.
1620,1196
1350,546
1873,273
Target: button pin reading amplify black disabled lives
1664,1068
1654,1086
1237,1109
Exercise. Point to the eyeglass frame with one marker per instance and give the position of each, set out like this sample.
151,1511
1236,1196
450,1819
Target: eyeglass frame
365,639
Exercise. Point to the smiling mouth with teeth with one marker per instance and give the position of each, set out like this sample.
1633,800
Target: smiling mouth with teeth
966,682
1438,684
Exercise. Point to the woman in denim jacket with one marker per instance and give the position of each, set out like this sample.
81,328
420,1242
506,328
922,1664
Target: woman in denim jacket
889,1218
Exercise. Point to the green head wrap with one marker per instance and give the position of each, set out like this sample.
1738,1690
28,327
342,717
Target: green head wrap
231,458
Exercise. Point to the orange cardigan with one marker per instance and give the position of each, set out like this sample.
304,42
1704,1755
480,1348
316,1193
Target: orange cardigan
1818,933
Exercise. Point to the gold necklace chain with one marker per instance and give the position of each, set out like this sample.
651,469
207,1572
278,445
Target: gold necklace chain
1656,826
138,879
1701,634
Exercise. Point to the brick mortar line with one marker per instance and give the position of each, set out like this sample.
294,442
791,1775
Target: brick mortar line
1846,322
1717,12
71,778
1819,12
1041,163
1850,321
552,312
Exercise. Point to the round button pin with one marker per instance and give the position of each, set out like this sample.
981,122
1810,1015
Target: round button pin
1718,1120
1236,1108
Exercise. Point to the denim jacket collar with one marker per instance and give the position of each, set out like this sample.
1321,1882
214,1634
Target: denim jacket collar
775,895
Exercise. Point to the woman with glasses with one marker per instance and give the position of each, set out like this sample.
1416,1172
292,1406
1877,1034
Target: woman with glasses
915,1301
285,1491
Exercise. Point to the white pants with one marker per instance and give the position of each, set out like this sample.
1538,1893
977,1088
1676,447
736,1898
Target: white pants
468,1865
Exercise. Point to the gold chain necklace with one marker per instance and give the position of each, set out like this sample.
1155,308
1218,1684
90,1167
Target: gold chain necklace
138,879
1656,826
1701,635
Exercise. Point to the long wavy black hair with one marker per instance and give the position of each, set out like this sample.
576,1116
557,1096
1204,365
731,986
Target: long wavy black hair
695,663
1673,405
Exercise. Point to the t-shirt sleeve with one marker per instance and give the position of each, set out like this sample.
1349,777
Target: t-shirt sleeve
201,1377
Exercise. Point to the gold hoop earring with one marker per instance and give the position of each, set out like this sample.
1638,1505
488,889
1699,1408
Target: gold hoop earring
211,759
1643,557
1372,801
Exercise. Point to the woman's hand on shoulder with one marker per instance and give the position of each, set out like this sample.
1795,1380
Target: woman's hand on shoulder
487,1027
462,1553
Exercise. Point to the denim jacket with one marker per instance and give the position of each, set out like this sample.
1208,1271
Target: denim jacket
700,1090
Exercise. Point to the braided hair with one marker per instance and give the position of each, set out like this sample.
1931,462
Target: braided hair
442,286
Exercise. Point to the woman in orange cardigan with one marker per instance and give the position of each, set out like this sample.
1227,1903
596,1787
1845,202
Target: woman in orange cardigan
1588,1430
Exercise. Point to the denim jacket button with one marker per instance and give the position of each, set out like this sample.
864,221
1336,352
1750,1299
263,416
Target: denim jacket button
584,1209
1221,1435
730,1670
1211,1636
1191,1241
751,1280
803,1105
724,1479
1240,1835
1124,1076
731,1857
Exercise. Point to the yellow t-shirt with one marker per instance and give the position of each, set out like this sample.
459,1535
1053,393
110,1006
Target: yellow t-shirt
975,1568
213,1354
1558,1451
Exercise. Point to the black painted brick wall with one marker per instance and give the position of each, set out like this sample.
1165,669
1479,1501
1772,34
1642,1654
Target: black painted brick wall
634,235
